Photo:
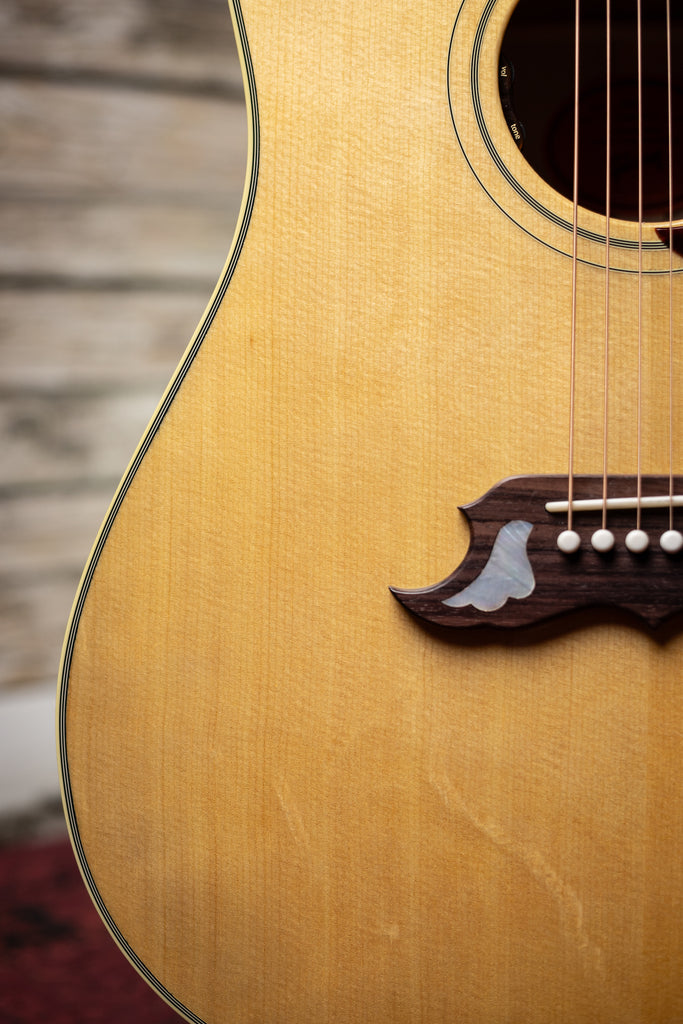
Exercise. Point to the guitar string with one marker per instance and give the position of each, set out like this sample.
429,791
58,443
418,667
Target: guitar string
671,275
639,415
575,219
640,268
608,205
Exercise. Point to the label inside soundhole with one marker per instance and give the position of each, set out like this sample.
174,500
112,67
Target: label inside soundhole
506,80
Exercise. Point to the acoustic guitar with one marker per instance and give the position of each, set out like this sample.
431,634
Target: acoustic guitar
371,705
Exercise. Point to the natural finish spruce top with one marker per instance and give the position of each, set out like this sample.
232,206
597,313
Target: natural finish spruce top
293,801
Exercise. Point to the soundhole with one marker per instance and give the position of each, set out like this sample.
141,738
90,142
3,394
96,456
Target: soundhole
538,100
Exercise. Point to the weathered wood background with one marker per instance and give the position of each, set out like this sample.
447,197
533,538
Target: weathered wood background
122,160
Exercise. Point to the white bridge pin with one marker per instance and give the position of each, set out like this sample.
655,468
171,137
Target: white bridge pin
637,541
671,541
568,542
603,540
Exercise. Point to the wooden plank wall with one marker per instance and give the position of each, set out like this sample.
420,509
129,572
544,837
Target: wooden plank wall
122,162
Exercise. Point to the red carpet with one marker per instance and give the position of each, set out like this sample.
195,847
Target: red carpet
58,964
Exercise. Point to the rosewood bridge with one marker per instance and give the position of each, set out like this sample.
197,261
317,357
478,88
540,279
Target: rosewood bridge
523,565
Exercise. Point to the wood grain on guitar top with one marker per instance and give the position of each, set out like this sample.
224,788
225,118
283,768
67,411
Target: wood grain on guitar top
292,803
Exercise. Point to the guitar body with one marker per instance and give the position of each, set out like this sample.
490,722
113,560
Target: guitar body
291,801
